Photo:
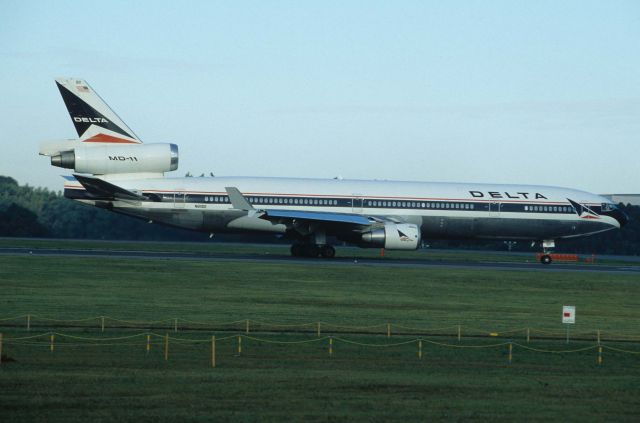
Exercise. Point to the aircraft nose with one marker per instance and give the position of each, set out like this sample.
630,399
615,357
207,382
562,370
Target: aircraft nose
625,218
621,217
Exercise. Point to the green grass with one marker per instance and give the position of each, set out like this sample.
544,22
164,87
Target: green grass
274,382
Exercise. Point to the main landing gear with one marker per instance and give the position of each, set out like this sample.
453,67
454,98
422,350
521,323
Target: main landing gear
313,250
547,246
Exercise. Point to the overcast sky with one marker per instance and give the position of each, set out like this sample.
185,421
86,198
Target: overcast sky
489,91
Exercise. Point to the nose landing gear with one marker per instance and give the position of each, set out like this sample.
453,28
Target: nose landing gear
547,246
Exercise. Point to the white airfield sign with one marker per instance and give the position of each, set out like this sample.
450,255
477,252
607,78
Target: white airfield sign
569,314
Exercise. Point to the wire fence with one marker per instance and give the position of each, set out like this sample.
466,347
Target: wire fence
59,342
319,328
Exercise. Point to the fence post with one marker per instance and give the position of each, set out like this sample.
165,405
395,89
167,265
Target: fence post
388,330
318,329
330,346
459,333
166,347
247,326
51,345
599,356
510,351
420,349
239,344
528,335
213,351
102,323
28,322
175,324
598,336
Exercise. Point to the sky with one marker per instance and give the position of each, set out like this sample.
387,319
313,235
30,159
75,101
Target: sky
524,92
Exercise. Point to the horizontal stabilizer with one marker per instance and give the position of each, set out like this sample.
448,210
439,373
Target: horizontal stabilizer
104,190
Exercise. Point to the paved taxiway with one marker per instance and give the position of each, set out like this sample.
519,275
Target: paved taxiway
338,261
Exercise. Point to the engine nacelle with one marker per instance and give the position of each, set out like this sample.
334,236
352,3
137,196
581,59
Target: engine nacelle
116,158
393,236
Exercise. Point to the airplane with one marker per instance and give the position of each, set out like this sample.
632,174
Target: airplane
115,171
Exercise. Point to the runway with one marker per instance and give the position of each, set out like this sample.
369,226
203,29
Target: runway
338,261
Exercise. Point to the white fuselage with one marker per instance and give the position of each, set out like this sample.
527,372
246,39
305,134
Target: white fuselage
441,210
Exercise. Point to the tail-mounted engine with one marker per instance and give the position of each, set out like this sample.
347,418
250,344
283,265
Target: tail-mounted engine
393,236
114,158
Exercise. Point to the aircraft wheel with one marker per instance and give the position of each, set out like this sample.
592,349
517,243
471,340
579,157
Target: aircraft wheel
312,250
545,259
327,251
296,250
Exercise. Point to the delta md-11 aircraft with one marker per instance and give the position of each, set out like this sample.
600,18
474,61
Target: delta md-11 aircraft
114,170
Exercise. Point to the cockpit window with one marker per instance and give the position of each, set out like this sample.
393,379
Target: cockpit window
608,206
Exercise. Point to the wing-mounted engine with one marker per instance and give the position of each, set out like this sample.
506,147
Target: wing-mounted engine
393,236
114,158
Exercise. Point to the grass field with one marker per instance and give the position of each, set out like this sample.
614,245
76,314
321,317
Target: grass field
274,382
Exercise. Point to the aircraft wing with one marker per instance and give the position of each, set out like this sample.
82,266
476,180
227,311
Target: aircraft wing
295,217
284,215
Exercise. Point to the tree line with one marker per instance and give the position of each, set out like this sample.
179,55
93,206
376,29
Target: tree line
27,211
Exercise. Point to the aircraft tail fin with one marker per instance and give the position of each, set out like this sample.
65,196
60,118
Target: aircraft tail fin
93,118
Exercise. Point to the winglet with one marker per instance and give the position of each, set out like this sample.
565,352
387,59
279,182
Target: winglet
237,199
